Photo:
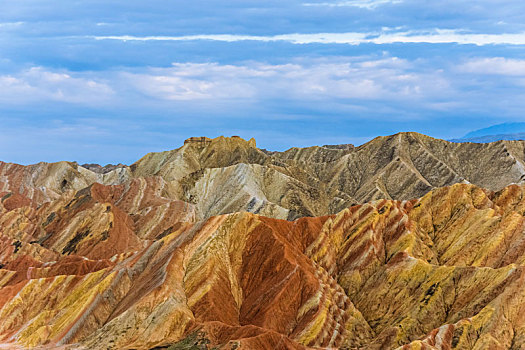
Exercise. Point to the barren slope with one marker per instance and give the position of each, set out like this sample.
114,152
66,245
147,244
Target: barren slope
401,166
226,175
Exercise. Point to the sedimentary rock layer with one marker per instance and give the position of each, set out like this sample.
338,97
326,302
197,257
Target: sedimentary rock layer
127,267
406,241
227,175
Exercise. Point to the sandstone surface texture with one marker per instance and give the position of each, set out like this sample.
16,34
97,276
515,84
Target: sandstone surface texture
405,242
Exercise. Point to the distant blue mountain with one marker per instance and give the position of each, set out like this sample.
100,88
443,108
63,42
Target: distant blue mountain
500,129
505,131
492,138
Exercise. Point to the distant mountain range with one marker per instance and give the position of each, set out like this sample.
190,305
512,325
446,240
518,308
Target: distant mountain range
505,131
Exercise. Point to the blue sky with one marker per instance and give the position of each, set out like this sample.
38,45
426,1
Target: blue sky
108,81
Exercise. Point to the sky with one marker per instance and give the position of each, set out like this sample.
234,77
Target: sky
109,81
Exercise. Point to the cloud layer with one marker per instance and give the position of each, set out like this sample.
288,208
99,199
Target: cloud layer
107,81
437,36
367,4
495,66
351,79
38,84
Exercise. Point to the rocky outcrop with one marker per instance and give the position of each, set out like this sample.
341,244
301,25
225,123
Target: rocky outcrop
97,168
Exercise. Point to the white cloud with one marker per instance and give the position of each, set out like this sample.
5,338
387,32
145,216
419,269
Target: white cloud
366,82
357,78
437,36
188,81
495,65
39,84
368,4
10,24
302,80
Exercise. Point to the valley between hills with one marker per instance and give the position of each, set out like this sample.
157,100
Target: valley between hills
405,242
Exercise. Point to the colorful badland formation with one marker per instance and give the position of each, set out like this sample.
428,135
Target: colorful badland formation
406,241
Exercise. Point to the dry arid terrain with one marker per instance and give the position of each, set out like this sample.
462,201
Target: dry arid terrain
404,242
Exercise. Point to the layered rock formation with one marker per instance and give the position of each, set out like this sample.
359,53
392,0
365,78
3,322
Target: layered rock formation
226,175
188,249
100,269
